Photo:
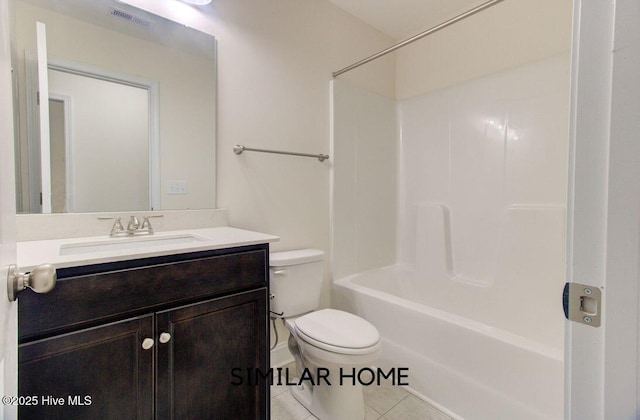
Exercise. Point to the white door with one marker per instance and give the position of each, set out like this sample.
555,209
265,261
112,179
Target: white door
8,311
603,235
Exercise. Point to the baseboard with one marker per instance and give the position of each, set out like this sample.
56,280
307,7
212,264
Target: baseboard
280,355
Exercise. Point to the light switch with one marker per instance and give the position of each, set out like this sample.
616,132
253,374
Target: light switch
177,187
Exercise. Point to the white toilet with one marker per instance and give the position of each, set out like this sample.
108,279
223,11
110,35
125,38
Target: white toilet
326,339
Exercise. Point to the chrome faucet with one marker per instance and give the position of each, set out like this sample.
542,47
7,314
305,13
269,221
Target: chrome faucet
134,227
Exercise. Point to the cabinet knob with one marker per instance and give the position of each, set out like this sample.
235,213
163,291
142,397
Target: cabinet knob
165,337
147,343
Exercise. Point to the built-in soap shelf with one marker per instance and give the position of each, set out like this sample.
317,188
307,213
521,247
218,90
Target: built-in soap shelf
523,229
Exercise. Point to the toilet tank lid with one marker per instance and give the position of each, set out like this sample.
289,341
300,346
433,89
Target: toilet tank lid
297,256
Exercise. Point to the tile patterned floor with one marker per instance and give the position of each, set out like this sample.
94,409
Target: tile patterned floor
384,402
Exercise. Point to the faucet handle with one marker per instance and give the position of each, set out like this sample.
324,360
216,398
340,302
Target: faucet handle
117,227
146,223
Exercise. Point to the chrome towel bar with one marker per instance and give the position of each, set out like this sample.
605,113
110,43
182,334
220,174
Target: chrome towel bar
238,149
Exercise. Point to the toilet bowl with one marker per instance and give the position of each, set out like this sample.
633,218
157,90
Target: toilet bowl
328,345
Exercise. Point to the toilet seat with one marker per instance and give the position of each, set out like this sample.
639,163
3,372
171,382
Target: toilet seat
338,332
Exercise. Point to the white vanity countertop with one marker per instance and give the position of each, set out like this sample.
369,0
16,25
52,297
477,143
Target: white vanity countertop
34,253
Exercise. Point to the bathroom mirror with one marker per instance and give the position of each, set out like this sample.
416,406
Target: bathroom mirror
131,109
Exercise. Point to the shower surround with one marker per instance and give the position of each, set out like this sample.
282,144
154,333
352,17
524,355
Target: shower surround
448,224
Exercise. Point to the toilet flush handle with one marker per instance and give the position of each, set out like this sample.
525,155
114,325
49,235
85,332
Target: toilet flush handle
279,272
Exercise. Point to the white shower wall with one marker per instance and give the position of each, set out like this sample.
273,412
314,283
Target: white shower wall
364,151
476,174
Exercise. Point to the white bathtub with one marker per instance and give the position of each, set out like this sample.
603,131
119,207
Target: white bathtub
466,368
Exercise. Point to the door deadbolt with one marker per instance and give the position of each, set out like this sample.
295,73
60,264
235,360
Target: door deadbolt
41,279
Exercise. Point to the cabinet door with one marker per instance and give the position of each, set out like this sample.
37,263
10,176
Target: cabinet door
97,373
208,340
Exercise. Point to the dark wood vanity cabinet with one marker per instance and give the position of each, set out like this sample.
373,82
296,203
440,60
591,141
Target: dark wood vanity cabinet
103,368
83,353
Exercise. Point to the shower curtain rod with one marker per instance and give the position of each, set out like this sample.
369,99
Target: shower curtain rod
419,36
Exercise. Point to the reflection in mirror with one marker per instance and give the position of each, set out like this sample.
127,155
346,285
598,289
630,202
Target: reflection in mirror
131,109
110,120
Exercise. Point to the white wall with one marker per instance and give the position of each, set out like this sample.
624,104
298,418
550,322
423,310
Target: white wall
507,35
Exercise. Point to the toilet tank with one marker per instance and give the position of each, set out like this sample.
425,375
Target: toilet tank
295,279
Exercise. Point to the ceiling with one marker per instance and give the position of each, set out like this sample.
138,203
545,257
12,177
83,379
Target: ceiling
401,19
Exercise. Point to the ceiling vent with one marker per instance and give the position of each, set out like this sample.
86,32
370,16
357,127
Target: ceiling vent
123,14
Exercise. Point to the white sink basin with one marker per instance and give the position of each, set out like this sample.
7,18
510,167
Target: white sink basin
117,244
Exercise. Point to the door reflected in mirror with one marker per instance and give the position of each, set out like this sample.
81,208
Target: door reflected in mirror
131,110
99,130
